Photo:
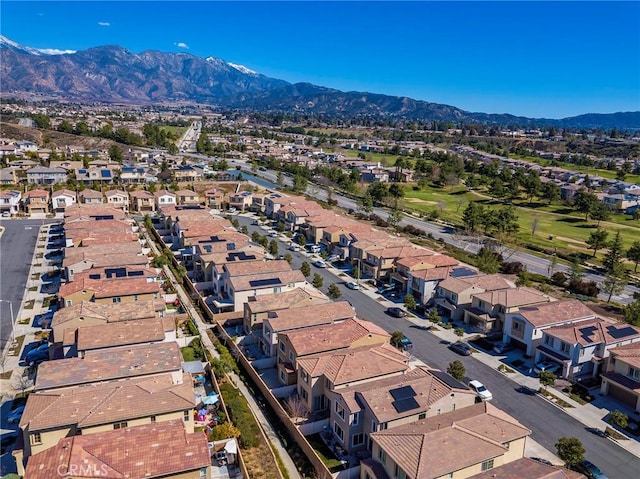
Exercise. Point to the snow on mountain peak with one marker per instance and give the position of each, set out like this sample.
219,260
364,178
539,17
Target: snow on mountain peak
32,51
242,68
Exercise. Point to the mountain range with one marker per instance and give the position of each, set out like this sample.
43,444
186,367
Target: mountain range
114,74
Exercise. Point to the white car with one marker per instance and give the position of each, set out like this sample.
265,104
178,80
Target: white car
273,234
319,263
483,393
547,367
352,285
294,247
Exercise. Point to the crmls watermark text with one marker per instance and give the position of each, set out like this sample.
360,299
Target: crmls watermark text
83,470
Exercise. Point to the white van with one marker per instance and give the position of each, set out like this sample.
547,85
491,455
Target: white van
315,248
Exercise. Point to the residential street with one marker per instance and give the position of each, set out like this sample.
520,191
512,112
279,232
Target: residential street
547,422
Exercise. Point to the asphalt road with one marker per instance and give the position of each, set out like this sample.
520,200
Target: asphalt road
547,422
534,264
16,252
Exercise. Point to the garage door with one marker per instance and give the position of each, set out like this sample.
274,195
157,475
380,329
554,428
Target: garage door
622,395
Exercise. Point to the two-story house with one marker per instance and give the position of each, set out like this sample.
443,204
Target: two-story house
581,348
187,197
43,175
90,197
189,458
82,410
241,201
62,199
299,343
164,198
214,198
488,309
10,201
318,375
258,308
142,201
390,402
284,320
117,199
36,201
458,445
621,375
524,328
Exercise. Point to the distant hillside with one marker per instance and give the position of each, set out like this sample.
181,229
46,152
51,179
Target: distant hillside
114,74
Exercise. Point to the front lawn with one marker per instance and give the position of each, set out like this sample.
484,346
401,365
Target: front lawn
325,454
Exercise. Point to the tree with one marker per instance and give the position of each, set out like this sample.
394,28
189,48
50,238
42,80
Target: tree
534,225
356,272
115,153
434,317
396,337
297,408
305,269
597,240
302,240
288,258
633,254
570,450
547,379
378,192
366,203
395,217
334,292
585,201
317,281
575,270
456,369
396,191
300,183
614,256
551,192
632,313
488,261
615,280
600,212
618,418
410,302
472,216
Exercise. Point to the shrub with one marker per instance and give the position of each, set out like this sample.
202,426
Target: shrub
559,279
513,267
618,418
586,288
241,416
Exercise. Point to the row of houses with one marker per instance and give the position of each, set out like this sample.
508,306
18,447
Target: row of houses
116,388
341,370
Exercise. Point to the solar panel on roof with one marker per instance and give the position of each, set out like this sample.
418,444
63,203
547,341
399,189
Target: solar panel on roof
402,393
117,272
105,173
406,404
82,171
231,246
94,276
256,283
448,379
136,273
462,272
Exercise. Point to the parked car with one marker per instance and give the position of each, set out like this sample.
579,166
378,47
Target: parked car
39,354
15,415
481,391
502,348
460,348
546,366
263,168
396,312
232,210
294,247
352,285
319,263
332,258
403,344
589,469
273,234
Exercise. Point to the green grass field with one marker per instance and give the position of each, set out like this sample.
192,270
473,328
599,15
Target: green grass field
176,130
558,227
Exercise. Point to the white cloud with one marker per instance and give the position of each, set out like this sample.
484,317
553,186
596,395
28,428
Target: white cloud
55,51
104,24
182,45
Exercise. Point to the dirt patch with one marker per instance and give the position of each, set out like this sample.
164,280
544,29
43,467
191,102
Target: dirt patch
606,310
570,240
418,200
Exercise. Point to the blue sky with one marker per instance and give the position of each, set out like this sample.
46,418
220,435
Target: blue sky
538,59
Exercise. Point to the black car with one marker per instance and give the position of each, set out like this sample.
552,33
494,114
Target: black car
396,312
460,348
589,469
403,343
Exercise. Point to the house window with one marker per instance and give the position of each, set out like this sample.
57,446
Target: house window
565,347
304,376
303,393
282,348
120,425
454,298
548,340
153,419
68,302
282,376
117,299
339,410
383,426
155,295
507,444
581,352
399,473
186,415
486,465
135,297
35,438
203,473
633,372
438,412
338,430
358,439
382,456
291,356
422,415
277,289
355,418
